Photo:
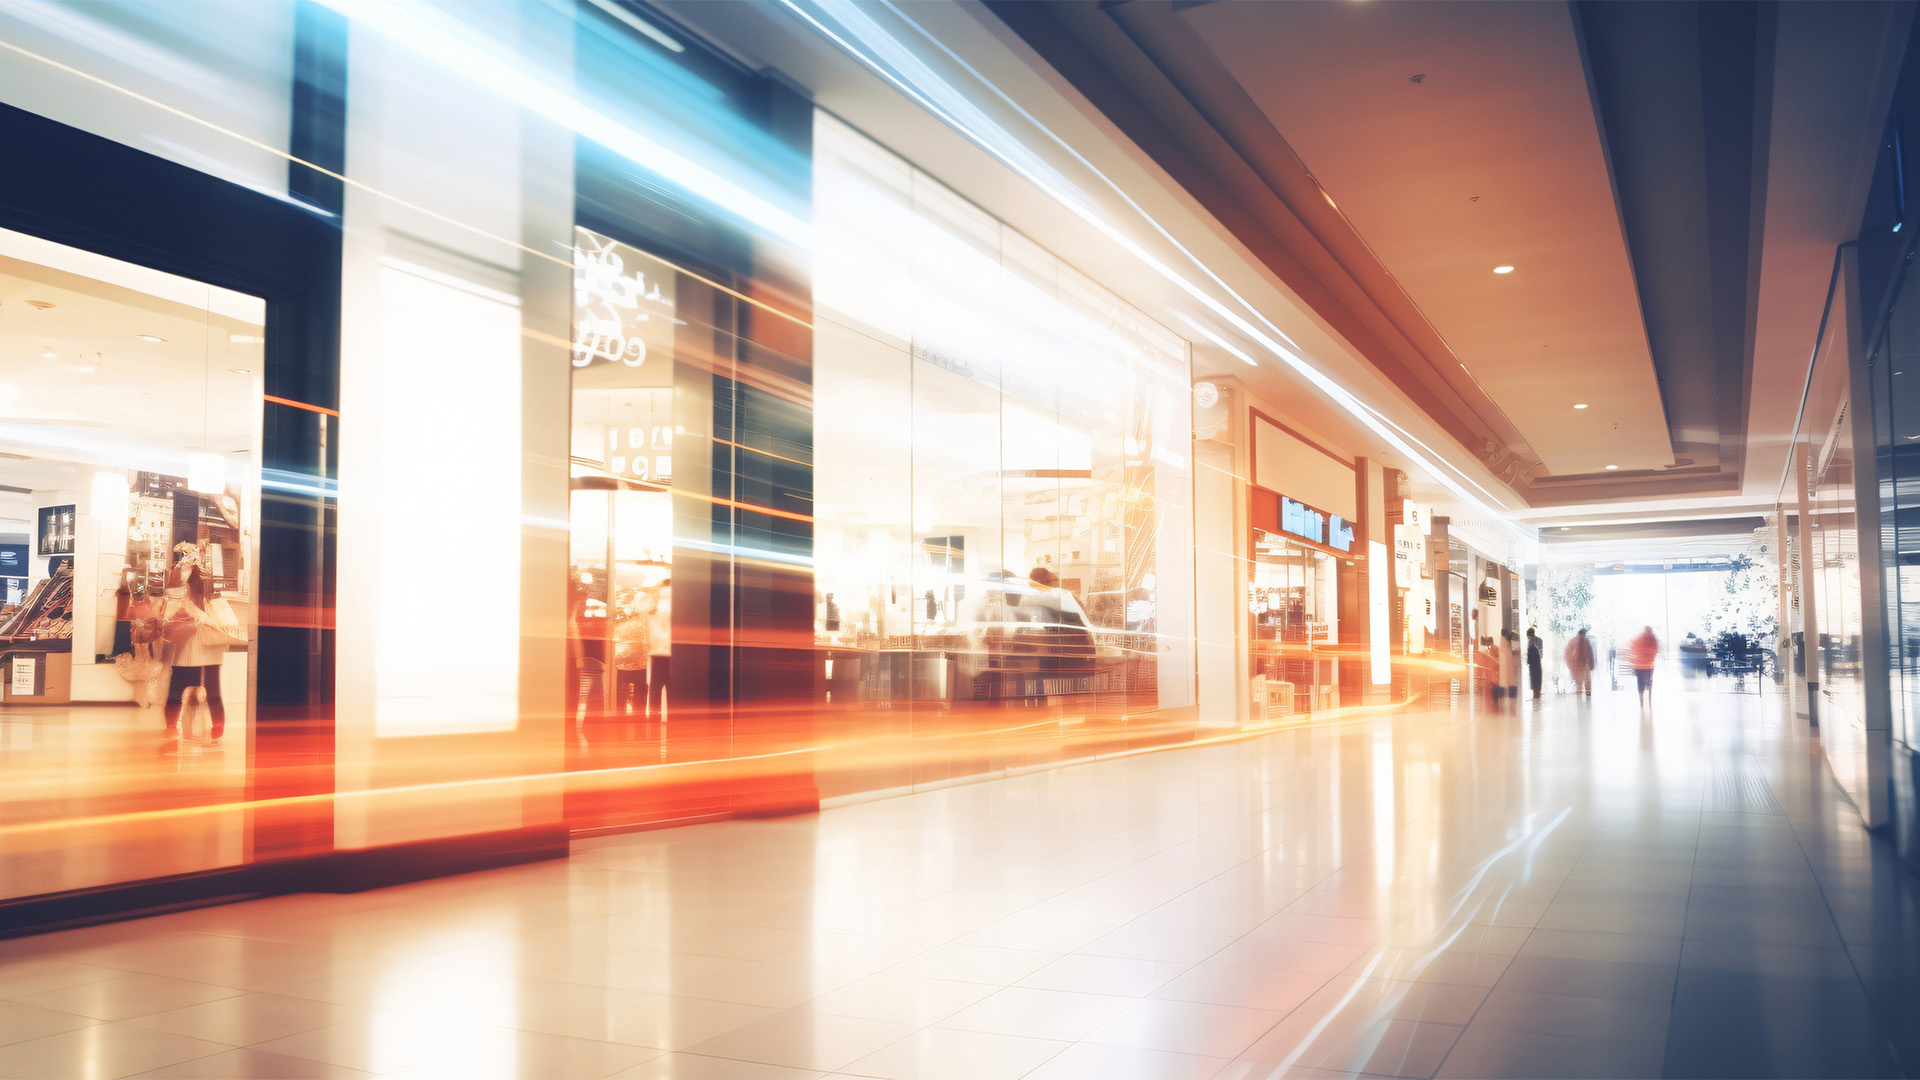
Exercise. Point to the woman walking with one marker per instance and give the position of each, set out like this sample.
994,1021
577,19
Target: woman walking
1642,651
1579,661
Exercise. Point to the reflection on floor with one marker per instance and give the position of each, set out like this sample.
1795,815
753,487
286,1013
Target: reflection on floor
62,765
1573,890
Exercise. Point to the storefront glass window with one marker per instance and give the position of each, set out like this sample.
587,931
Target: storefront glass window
129,439
1293,599
1003,498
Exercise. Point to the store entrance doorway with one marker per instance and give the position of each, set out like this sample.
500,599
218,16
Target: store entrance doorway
1295,608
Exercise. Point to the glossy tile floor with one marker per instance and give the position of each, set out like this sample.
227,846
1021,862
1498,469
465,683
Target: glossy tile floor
1572,890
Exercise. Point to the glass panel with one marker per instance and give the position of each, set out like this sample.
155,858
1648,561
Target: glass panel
620,603
129,499
1901,483
1001,446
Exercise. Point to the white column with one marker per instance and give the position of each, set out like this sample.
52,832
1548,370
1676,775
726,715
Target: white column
1809,623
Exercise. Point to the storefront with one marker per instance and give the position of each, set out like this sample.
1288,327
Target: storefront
1306,642
165,514
1299,553
713,460
1004,485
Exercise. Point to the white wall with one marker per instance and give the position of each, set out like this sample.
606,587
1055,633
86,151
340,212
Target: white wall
453,443
1220,570
1302,472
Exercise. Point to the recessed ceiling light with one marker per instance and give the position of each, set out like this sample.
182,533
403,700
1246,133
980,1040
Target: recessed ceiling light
151,337
240,371
1503,269
50,355
1610,468
83,367
1582,405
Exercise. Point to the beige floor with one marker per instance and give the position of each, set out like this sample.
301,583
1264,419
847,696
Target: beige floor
1574,890
65,763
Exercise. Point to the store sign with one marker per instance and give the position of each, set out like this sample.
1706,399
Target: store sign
1409,552
610,304
13,560
1418,516
1303,521
26,669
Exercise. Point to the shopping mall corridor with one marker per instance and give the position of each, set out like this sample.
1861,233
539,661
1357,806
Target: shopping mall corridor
1574,889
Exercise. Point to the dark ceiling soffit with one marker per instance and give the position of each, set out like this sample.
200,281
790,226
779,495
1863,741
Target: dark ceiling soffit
1606,488
1146,71
1651,530
1683,95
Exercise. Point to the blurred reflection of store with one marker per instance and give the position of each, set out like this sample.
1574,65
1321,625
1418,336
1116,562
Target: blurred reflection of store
620,548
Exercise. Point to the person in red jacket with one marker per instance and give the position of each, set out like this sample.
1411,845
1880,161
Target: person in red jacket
1642,651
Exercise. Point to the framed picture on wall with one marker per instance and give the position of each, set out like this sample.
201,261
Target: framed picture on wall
56,530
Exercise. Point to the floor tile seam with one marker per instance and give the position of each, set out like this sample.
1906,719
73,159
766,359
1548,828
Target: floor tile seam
135,1022
1891,1045
209,1057
233,992
1673,996
659,994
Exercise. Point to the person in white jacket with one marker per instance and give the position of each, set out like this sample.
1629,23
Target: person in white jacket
197,627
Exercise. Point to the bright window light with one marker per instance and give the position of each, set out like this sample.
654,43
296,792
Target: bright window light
206,473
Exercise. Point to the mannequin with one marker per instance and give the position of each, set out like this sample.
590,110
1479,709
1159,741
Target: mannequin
196,657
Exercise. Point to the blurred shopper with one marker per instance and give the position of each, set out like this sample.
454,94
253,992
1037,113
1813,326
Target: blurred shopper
1486,667
1510,663
197,625
1641,653
659,652
1579,660
1536,662
631,652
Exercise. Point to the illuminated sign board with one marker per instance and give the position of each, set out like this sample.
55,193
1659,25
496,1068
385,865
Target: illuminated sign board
612,303
1331,530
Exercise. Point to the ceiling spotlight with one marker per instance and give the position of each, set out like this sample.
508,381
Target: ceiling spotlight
1503,269
150,337
1610,468
1582,405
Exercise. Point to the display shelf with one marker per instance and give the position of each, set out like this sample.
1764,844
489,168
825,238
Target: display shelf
46,615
